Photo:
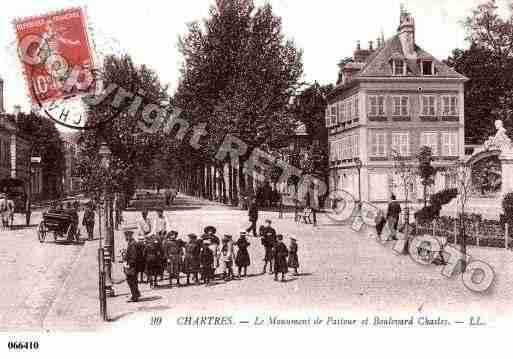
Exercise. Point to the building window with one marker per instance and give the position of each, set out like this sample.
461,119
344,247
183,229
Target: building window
356,151
349,109
399,67
427,68
401,143
430,139
327,116
450,106
428,106
356,109
333,117
376,106
378,144
449,144
401,105
342,112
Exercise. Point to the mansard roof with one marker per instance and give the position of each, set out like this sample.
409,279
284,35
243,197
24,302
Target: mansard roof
378,63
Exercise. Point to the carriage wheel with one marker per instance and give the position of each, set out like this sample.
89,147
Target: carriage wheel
41,232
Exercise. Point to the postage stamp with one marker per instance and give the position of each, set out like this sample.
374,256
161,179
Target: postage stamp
56,55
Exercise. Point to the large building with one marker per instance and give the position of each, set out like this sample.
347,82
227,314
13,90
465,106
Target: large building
15,153
395,96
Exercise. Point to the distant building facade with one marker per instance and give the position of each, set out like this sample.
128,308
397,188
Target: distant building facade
395,97
71,183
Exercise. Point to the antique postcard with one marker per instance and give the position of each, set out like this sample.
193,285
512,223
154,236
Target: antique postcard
321,178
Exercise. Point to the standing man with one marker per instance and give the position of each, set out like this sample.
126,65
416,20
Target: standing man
253,217
130,265
88,220
393,212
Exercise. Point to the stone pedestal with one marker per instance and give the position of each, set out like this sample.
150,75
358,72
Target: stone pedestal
506,159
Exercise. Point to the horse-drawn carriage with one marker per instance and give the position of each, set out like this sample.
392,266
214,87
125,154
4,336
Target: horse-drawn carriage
63,224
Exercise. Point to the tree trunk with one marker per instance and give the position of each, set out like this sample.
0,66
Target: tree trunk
230,181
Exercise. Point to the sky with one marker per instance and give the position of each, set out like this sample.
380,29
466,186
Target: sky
326,30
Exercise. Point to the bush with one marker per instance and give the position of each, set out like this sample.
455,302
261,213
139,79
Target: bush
439,199
443,197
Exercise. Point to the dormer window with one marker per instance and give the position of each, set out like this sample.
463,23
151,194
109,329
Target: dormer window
399,67
427,68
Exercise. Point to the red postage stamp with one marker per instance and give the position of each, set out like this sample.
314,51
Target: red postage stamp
56,55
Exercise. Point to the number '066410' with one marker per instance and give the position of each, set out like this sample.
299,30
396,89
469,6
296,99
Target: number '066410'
23,345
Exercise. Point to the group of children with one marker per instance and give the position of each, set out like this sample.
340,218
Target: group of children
206,257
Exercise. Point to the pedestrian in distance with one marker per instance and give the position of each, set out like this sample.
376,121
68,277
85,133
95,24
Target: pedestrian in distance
88,220
393,212
268,239
380,222
130,264
206,263
253,217
226,257
141,261
242,260
280,258
144,224
293,261
173,252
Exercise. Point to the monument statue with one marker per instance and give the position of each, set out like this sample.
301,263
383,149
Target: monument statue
500,141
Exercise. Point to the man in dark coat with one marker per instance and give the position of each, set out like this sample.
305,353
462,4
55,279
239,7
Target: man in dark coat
88,220
130,265
280,258
393,212
173,252
268,239
253,217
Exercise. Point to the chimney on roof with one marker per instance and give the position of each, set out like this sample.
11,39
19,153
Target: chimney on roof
406,32
371,46
358,45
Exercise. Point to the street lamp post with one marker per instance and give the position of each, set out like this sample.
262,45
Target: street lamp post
105,156
463,173
358,164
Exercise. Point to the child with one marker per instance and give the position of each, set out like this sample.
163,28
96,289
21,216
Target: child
293,259
280,258
207,262
268,240
226,257
242,260
191,258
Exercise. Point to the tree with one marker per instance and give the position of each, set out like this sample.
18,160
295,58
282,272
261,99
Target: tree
132,148
45,140
407,174
239,75
488,64
426,170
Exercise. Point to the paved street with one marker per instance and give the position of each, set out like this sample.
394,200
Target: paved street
54,286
